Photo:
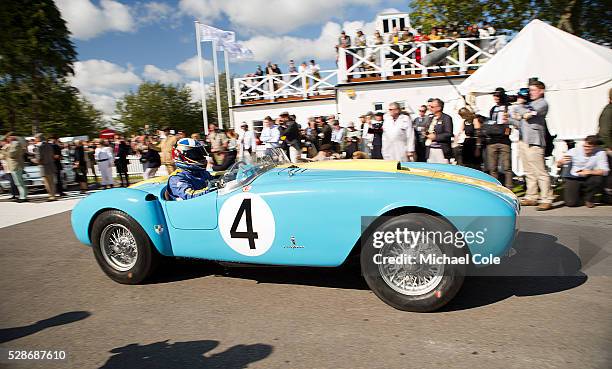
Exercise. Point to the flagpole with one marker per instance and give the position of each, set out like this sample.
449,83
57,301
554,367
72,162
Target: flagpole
201,70
217,89
228,88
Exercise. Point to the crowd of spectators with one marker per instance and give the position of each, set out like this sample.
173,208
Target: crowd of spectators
482,142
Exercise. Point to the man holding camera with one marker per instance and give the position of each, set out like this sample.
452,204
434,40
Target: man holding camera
532,145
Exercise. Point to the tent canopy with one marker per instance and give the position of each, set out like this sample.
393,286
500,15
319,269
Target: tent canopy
559,59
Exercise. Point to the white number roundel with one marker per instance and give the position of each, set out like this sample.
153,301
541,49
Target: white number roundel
246,224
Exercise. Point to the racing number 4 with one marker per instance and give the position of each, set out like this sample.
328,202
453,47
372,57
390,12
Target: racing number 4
245,207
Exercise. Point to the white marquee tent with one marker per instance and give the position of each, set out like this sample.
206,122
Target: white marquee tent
577,74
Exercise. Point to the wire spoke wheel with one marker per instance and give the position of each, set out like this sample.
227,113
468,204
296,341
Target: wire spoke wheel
118,247
415,275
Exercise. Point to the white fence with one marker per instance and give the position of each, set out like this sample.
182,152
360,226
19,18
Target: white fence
388,60
135,167
279,86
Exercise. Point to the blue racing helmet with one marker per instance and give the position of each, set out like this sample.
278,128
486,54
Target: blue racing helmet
189,154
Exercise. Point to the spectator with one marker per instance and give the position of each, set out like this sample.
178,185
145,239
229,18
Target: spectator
258,71
584,170
314,70
439,134
337,137
12,154
270,135
325,132
293,71
326,153
218,142
121,150
398,135
247,143
433,35
7,176
57,159
501,105
376,130
90,148
79,165
165,149
344,42
364,127
311,136
498,148
45,160
228,157
104,156
151,159
470,150
532,146
292,137
421,123
419,37
352,140
605,133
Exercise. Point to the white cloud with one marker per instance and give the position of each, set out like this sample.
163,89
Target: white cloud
189,67
103,82
87,20
279,16
154,73
194,86
283,48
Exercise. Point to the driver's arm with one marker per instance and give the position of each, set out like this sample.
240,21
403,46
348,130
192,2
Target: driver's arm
183,189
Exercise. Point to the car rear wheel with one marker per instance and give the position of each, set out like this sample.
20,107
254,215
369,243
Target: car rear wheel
408,275
122,248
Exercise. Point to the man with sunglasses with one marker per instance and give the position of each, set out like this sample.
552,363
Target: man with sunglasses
420,126
191,179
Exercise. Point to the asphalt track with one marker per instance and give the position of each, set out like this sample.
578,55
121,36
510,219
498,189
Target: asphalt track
202,315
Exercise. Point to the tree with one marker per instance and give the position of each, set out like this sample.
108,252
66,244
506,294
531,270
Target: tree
35,48
591,20
158,105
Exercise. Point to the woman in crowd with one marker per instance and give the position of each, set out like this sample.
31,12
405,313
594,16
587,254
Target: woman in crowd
79,164
150,159
104,155
470,151
311,133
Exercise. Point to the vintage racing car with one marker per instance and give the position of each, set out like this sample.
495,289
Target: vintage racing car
318,214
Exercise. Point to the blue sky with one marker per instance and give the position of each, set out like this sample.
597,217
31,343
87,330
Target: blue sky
121,43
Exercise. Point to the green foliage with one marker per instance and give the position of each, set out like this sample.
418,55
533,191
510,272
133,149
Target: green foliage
158,105
591,20
36,56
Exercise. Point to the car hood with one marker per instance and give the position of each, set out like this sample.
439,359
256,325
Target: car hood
389,168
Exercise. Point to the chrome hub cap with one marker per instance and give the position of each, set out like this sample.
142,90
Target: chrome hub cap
118,247
416,278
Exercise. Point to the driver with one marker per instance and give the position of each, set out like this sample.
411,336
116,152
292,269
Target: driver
191,178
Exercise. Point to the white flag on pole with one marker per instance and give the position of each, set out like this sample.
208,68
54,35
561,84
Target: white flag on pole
225,40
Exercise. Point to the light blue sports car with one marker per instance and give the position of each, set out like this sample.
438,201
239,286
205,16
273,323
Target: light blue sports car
415,228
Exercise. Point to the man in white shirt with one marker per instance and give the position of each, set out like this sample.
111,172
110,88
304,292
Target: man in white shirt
270,135
337,137
248,143
584,170
398,135
366,138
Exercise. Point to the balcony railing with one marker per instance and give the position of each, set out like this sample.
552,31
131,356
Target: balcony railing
281,87
389,61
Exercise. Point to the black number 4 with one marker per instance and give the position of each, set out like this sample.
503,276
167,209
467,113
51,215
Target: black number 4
249,234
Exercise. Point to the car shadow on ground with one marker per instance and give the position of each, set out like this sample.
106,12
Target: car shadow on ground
189,354
9,334
540,266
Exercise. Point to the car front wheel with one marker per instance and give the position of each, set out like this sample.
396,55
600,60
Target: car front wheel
406,273
122,248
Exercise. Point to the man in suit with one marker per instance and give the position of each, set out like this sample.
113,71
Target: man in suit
292,137
439,133
421,123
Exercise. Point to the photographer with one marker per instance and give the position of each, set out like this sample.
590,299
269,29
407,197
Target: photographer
497,135
584,170
376,131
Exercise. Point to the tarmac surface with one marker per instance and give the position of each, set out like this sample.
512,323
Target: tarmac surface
554,311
